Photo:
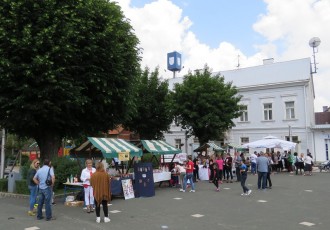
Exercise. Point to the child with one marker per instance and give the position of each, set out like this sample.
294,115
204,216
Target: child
243,171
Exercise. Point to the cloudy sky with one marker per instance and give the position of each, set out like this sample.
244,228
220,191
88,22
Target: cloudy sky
216,32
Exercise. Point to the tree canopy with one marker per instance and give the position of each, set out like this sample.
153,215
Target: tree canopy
66,68
205,105
153,114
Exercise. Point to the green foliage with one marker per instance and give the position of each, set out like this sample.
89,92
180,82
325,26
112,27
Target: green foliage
67,68
205,105
148,157
64,167
25,167
4,185
22,187
153,115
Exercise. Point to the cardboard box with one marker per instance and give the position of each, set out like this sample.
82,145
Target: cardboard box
74,203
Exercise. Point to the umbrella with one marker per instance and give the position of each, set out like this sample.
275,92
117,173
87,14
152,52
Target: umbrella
271,142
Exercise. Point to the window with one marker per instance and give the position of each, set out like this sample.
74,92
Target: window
178,143
244,113
244,140
294,139
289,110
268,112
196,140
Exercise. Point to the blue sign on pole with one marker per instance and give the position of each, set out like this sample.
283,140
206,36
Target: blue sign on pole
174,61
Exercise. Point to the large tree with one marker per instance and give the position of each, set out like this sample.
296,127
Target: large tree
66,68
205,105
153,115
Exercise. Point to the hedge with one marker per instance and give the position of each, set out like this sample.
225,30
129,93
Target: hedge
22,187
4,185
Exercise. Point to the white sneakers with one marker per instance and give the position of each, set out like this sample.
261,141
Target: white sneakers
181,190
106,219
247,194
192,190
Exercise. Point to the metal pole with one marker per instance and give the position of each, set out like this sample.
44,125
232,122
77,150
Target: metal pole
186,141
2,154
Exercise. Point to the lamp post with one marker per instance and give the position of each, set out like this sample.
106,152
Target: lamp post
2,154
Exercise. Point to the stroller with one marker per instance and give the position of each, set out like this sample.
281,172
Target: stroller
325,166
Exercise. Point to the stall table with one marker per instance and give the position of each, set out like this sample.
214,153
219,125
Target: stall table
73,187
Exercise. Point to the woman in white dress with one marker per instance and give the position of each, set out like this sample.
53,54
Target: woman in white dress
88,189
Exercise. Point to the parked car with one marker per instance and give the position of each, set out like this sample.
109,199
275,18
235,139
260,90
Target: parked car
324,166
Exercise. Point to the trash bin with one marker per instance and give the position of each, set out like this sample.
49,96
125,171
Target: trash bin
12,178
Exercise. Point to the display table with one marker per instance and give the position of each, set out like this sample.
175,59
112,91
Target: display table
73,187
203,173
161,176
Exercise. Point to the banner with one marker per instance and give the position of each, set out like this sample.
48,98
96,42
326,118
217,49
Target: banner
123,156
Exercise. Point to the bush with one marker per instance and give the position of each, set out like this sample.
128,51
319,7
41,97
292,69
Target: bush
22,187
64,167
3,185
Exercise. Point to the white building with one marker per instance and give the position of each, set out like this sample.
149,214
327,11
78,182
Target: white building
278,100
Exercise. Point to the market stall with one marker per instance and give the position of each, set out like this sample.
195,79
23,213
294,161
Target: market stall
158,147
107,148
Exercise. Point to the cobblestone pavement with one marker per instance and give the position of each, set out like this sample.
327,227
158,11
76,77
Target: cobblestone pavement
294,202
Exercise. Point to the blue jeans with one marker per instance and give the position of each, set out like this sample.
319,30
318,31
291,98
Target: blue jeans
189,176
45,196
262,177
33,195
243,180
253,167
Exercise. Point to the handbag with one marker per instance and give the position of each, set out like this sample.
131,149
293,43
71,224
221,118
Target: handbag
48,180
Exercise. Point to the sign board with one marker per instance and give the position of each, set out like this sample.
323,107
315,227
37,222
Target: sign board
123,156
128,189
179,158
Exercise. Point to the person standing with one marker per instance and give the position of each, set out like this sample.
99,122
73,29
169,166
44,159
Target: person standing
308,164
243,172
100,181
216,175
196,170
268,180
262,166
228,168
253,160
238,160
189,175
33,187
45,190
220,163
85,177
182,173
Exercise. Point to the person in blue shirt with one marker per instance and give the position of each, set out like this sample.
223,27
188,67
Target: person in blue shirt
243,171
45,190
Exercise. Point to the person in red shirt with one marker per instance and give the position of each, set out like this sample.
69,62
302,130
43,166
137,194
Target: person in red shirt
189,175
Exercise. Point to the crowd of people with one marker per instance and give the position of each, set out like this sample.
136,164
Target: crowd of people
221,167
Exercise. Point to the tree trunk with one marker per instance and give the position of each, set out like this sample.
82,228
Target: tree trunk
49,144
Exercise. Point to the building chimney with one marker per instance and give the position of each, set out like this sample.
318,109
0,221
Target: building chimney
268,61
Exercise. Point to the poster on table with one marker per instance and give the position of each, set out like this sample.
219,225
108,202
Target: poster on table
128,189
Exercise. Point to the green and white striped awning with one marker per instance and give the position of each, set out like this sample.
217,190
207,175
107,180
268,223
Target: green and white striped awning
105,147
159,147
236,146
208,145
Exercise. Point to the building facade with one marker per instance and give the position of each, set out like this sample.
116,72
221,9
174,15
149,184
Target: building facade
277,99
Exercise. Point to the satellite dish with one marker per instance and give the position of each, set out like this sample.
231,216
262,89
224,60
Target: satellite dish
314,42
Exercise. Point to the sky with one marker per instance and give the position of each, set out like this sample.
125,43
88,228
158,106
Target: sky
221,33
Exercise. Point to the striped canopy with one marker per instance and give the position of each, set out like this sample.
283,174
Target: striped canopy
159,147
208,145
106,147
